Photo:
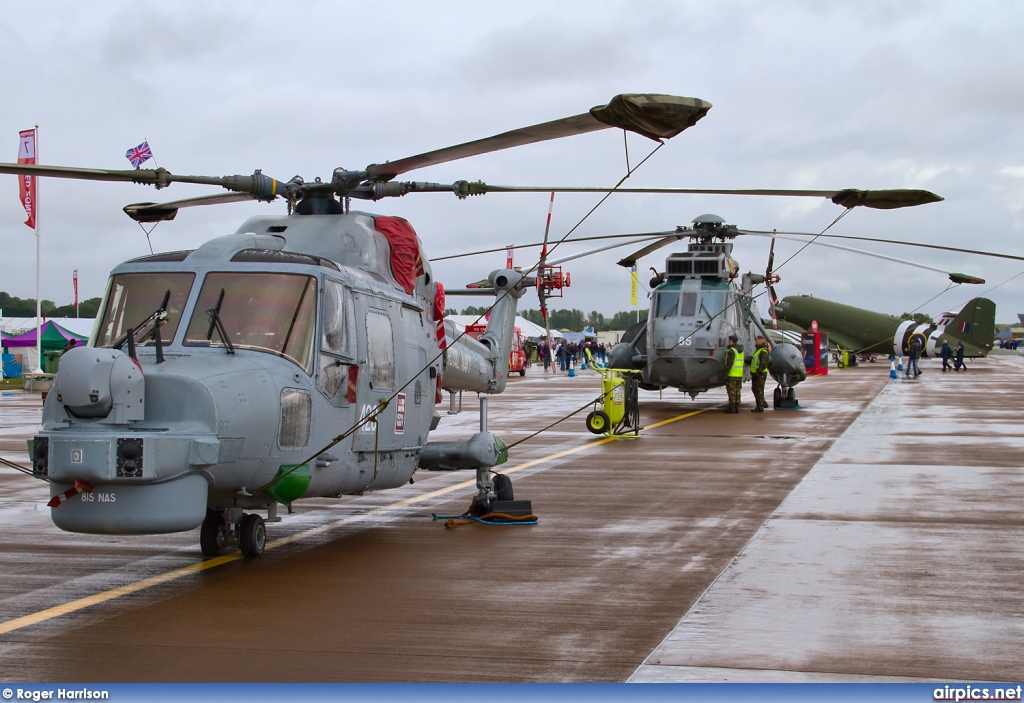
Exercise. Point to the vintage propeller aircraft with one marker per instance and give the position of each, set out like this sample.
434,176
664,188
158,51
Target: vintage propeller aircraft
300,356
700,299
861,331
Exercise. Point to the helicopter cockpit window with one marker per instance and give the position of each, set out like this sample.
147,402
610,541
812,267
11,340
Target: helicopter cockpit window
712,304
339,332
668,304
337,341
381,347
132,298
269,312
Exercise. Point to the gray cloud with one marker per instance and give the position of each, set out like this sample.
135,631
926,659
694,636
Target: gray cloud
806,94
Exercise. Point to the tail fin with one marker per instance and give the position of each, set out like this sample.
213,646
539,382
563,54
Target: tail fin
976,323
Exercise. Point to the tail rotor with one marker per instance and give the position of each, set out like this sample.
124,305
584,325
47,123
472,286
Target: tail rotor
770,279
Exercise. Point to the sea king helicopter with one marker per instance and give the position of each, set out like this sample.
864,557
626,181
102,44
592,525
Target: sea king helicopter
300,356
699,300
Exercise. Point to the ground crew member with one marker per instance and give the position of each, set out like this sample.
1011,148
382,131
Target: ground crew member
947,355
759,373
733,374
913,354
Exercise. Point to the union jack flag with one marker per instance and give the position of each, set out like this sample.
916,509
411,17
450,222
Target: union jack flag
139,154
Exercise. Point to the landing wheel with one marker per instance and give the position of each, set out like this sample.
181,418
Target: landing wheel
777,398
252,535
214,537
502,487
791,395
598,422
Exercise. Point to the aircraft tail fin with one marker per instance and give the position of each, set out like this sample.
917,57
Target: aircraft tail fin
975,323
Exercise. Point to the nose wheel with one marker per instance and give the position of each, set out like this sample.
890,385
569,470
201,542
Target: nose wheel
785,400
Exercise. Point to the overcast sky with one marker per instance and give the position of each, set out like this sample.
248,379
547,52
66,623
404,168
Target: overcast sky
816,95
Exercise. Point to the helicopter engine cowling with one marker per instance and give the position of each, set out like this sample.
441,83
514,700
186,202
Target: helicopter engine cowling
101,383
630,353
624,356
482,449
786,365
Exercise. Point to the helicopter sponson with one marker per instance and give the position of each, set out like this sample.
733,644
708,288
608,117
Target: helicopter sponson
97,393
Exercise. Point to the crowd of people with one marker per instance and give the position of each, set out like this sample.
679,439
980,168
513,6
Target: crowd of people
569,355
951,358
949,354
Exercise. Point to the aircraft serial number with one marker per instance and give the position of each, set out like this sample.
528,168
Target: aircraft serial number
99,497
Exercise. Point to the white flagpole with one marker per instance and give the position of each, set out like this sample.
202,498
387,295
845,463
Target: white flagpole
35,205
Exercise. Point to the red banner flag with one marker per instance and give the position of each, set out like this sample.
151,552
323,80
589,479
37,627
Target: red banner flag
27,184
74,279
508,255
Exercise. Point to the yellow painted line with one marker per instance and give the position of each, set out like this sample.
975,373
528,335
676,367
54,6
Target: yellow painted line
57,611
679,417
104,596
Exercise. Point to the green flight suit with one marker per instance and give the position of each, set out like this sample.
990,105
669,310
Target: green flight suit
734,377
758,375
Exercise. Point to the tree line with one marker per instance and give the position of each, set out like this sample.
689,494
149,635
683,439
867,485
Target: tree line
17,307
560,319
577,320
570,319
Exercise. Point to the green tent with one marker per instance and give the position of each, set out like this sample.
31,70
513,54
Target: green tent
53,341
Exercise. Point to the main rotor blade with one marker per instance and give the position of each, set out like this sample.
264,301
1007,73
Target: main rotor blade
654,116
954,277
157,177
257,185
637,237
876,199
158,212
849,198
597,250
938,247
664,241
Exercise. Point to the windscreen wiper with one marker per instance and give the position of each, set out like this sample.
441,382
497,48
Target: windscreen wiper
218,324
710,316
157,318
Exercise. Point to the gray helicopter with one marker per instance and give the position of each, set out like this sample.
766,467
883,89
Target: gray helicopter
301,356
697,303
700,299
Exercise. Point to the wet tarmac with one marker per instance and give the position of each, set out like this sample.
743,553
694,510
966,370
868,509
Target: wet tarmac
874,534
899,555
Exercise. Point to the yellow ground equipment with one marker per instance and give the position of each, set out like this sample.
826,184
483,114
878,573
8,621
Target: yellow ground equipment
846,359
619,412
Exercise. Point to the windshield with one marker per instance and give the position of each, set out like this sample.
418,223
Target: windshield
270,312
134,297
668,304
712,304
